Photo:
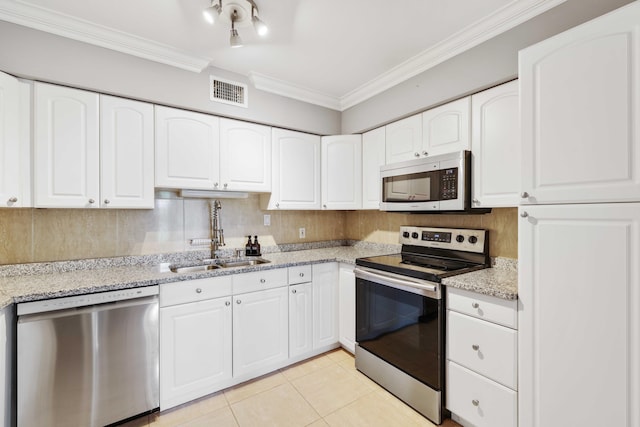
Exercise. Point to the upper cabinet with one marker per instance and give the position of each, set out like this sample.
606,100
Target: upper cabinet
245,151
341,172
579,113
187,149
403,139
66,147
446,129
14,143
495,147
296,171
126,153
373,156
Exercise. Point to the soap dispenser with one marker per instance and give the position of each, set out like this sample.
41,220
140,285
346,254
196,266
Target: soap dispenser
247,247
256,246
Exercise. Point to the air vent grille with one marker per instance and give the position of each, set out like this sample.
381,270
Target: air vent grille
228,92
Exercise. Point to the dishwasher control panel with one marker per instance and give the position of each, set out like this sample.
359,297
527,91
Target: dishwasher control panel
63,303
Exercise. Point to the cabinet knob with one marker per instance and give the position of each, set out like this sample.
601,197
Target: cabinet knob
476,347
475,201
324,206
277,205
107,201
424,153
301,274
524,214
262,280
416,154
475,402
238,301
13,200
475,305
225,185
198,290
215,184
91,201
524,194
227,303
293,291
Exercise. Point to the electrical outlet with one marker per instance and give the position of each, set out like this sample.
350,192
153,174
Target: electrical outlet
267,220
302,232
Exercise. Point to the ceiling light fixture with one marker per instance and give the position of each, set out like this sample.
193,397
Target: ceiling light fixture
239,13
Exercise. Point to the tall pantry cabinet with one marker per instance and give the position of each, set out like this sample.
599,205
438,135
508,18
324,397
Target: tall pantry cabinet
579,226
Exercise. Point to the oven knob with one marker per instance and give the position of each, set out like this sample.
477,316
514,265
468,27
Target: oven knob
405,234
459,238
414,235
473,239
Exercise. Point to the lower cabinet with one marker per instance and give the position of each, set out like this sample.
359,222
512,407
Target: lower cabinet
325,304
300,319
347,307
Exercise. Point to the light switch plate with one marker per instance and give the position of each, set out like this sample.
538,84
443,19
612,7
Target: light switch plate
267,220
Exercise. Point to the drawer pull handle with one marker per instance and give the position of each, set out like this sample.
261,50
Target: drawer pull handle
301,274
198,290
262,280
476,347
475,305
475,402
227,303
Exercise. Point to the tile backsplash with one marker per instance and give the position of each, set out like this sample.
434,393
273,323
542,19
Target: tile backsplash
40,235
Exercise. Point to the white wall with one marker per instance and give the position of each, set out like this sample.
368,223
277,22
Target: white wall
41,56
492,62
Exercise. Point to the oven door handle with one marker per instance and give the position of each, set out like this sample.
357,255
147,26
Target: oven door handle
402,284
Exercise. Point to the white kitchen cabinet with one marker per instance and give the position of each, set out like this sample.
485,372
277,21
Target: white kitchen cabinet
347,307
296,171
245,153
66,147
373,156
15,182
195,350
126,153
447,128
495,147
325,304
300,319
580,113
187,149
579,315
403,139
260,330
341,173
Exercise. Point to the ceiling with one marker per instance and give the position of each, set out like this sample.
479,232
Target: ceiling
334,53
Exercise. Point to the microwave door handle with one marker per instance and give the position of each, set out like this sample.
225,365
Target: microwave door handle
405,285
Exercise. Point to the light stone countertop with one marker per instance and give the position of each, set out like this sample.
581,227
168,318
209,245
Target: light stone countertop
500,282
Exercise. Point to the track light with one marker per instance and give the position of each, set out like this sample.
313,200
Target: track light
239,12
235,40
260,27
212,13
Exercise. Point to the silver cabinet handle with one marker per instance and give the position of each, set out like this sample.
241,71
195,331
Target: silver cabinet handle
475,201
475,305
227,303
524,194
293,291
301,274
198,290
225,185
107,201
91,201
524,214
215,185
277,205
238,301
424,153
475,402
324,206
416,154
476,347
262,280
13,200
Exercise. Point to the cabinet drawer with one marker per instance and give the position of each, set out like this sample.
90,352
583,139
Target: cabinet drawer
484,347
299,274
194,290
479,400
259,280
497,310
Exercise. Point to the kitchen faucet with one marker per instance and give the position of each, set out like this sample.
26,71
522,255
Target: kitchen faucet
217,233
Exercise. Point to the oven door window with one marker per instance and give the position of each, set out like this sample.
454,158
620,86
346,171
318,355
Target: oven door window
402,328
418,187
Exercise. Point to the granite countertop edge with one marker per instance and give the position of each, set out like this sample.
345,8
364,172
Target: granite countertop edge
26,288
500,281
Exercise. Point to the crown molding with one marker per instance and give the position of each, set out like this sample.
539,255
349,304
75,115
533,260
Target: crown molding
279,87
40,18
506,18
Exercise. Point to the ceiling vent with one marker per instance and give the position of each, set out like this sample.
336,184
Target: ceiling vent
228,92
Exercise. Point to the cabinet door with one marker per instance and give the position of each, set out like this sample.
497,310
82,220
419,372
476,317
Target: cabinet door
195,350
495,147
347,308
373,153
245,153
580,113
325,304
579,315
66,148
296,170
14,144
187,149
341,172
126,153
447,128
300,319
403,139
260,330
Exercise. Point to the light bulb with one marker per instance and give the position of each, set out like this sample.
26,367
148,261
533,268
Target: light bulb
211,13
261,27
235,39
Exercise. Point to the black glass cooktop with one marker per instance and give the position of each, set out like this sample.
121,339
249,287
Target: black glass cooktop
421,267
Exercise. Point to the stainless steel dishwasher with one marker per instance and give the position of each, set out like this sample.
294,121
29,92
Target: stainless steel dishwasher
88,360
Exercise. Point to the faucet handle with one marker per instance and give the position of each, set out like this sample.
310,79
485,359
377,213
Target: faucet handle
239,253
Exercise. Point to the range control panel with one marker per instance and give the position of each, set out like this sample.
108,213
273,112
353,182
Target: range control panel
462,239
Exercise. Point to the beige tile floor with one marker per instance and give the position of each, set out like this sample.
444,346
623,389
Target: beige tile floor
324,391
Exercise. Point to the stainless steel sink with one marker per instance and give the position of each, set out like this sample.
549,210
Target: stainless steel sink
215,264
243,262
192,268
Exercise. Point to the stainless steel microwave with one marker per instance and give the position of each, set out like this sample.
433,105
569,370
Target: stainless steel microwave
430,184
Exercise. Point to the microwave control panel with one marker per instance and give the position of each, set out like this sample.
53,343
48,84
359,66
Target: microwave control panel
449,184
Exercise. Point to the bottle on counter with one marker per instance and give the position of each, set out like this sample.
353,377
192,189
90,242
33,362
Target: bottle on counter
248,247
256,245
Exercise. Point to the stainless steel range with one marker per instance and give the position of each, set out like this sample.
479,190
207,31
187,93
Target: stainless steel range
400,307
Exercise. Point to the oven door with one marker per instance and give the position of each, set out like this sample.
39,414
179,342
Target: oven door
401,321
